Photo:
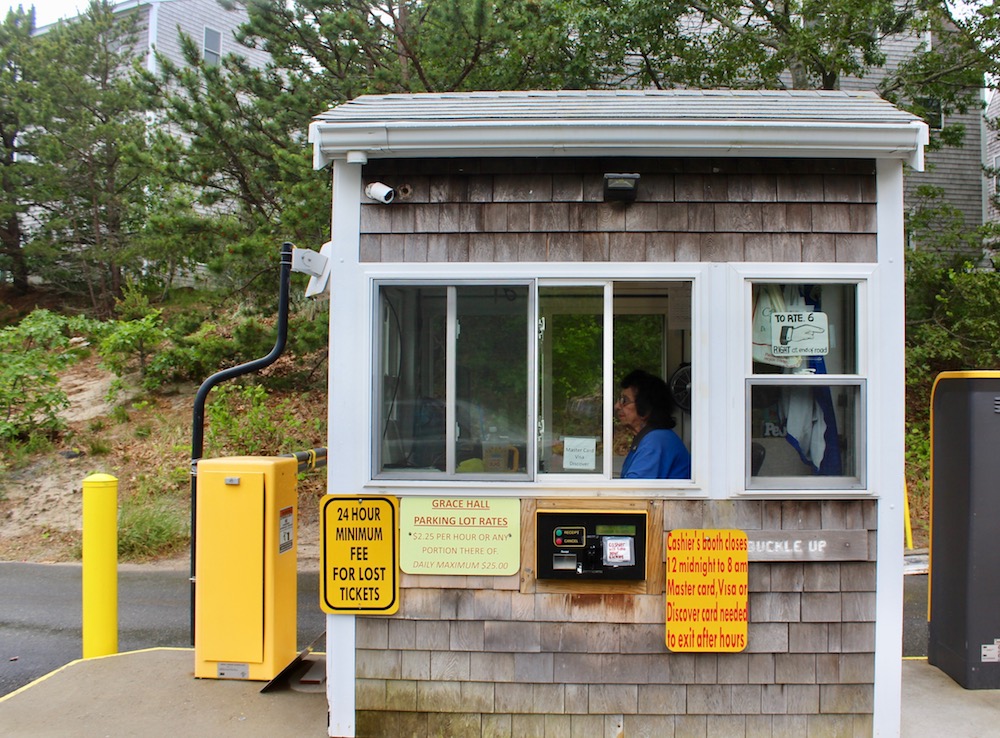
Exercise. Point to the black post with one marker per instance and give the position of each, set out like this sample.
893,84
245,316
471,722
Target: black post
198,426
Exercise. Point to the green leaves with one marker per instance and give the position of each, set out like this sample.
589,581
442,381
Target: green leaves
30,397
88,188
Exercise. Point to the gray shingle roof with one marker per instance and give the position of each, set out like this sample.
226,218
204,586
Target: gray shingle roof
801,105
601,122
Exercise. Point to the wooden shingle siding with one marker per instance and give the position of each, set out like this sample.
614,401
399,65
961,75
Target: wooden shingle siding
686,210
484,658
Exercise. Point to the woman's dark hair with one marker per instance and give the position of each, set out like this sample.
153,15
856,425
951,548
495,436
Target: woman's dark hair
653,400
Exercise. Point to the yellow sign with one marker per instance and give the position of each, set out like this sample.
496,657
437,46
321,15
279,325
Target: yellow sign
359,554
461,535
707,587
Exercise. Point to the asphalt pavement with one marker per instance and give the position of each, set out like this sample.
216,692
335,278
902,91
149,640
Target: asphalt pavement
40,637
40,615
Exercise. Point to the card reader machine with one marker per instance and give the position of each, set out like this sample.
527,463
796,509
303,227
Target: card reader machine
586,544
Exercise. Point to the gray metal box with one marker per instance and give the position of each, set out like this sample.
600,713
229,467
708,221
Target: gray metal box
965,528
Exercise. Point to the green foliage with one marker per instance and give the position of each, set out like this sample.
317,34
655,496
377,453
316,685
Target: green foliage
952,324
149,528
30,397
342,49
19,69
576,377
240,422
130,343
939,228
90,188
98,447
738,43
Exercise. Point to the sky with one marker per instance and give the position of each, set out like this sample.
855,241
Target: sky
47,11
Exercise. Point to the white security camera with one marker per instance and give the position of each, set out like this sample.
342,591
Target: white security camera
380,192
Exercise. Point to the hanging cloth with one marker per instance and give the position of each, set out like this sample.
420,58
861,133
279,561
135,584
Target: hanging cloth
810,420
769,300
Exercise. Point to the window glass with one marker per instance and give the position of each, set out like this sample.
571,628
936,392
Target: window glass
456,395
806,430
491,379
212,50
652,333
805,329
412,408
454,379
571,377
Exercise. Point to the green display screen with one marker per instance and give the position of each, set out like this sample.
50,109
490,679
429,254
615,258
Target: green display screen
614,530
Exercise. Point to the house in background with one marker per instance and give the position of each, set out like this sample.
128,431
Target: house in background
992,161
956,170
161,23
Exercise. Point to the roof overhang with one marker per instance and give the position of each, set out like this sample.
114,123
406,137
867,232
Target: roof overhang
357,138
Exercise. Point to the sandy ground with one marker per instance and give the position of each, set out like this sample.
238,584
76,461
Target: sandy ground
41,505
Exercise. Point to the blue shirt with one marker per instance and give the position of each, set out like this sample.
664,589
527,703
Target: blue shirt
657,454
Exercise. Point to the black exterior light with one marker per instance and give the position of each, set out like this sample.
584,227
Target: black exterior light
620,187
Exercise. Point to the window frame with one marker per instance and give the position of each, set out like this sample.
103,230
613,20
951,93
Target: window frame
862,277
451,330
934,112
211,56
532,479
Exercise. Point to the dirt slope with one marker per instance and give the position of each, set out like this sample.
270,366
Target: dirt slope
145,443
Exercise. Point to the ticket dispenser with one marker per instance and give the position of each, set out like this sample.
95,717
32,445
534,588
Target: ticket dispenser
591,545
245,567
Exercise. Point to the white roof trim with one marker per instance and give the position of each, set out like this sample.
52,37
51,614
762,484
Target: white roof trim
391,131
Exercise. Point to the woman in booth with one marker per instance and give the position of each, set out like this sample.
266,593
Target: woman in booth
646,408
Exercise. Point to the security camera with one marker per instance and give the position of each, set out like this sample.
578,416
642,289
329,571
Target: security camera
380,193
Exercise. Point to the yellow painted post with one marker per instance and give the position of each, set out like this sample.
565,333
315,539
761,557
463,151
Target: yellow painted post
907,525
100,565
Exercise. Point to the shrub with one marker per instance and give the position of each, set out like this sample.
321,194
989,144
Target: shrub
240,422
131,343
34,352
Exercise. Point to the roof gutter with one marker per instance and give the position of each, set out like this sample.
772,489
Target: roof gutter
334,140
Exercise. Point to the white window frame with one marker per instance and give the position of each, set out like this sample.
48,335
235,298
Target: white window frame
741,376
451,335
212,57
539,485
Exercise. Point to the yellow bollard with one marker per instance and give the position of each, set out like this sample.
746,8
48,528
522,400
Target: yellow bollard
100,565
907,525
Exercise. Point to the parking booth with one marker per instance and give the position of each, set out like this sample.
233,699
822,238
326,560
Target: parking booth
499,261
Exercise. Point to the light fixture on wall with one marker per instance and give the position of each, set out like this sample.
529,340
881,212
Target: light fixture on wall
620,187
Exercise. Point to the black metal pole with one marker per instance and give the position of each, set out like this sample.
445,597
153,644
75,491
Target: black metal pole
198,425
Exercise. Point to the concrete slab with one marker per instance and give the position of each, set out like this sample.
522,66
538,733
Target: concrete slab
153,693
935,705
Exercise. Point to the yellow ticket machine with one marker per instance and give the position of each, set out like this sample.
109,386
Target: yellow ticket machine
245,567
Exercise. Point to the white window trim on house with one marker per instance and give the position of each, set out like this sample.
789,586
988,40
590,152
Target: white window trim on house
211,56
